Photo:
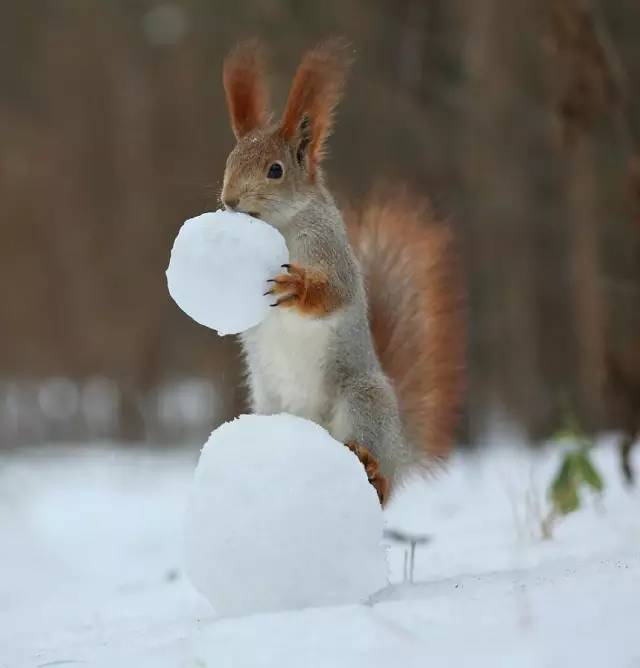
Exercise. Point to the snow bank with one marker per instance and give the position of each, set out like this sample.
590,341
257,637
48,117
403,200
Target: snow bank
89,572
219,267
282,516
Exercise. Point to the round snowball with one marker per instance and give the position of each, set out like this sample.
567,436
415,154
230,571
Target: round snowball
282,516
219,267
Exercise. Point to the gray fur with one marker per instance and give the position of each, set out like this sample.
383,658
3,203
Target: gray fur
321,368
359,403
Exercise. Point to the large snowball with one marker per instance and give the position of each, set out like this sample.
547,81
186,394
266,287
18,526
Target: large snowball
282,516
219,267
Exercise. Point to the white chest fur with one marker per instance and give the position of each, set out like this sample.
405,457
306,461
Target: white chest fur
286,357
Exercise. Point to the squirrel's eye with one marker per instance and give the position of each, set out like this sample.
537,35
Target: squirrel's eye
275,171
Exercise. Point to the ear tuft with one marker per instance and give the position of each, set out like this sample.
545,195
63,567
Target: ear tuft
245,87
315,92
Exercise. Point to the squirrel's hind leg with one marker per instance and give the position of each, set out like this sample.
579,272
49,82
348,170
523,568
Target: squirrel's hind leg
366,419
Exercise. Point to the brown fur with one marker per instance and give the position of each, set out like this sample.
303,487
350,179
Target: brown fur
315,92
307,291
416,312
372,468
245,87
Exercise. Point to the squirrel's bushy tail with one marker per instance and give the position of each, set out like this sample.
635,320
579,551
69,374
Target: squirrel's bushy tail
416,310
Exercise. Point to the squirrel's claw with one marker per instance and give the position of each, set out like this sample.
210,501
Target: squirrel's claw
289,287
286,298
372,469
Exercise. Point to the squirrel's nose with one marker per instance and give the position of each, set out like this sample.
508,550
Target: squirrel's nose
230,202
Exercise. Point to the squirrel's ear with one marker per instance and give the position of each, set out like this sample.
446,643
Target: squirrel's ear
245,87
315,92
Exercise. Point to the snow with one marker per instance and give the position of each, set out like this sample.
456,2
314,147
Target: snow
219,267
90,572
282,516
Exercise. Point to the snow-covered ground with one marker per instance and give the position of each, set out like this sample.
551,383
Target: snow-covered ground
90,575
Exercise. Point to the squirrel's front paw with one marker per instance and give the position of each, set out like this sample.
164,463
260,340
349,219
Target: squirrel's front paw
289,288
372,468
308,290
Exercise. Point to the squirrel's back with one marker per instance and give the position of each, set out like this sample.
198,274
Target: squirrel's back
416,312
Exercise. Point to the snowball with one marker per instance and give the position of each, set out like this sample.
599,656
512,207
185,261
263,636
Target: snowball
219,267
282,516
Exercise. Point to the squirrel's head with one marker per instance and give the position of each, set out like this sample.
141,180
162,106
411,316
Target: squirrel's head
275,167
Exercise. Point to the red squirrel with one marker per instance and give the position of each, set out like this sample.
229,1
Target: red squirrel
366,336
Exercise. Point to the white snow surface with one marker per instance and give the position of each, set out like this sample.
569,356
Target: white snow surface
282,516
219,267
90,572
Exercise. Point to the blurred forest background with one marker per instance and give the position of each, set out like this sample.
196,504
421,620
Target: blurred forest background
520,119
